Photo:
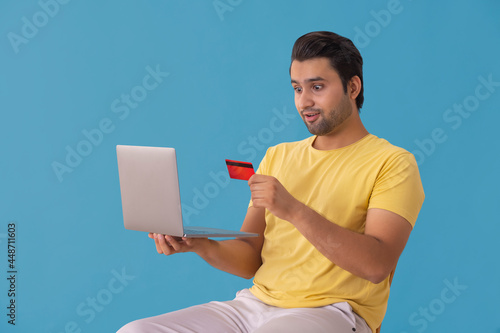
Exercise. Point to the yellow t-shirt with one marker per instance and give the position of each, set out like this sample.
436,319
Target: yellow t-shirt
340,184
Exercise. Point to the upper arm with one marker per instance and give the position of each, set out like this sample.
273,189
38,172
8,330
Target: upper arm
391,231
254,222
394,205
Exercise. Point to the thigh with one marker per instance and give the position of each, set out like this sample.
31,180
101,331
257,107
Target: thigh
199,318
336,318
233,316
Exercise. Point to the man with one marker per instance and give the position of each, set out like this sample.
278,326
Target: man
334,212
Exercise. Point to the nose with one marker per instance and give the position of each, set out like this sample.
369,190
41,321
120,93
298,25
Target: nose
304,100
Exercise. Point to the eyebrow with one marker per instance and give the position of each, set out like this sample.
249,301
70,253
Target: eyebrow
313,79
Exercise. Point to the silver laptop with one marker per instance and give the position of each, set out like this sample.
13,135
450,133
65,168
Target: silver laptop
151,201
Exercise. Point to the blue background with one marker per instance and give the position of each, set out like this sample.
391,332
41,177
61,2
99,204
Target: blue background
227,63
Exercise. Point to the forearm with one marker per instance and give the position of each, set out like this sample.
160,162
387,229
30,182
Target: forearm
362,255
235,256
240,256
371,255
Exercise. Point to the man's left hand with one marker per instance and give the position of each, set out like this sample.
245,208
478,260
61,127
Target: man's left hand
268,192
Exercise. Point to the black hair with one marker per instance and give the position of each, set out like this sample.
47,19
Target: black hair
343,55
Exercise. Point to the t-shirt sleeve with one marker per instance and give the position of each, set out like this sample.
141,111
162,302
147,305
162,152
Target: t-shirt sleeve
398,188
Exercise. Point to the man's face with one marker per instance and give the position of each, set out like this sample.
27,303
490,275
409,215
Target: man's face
319,95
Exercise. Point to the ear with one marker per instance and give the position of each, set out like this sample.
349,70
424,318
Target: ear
354,87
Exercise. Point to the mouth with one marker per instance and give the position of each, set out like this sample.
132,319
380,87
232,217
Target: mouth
311,116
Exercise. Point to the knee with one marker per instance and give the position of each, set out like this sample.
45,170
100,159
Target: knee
138,326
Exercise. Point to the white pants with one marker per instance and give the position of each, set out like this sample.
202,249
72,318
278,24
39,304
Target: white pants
246,313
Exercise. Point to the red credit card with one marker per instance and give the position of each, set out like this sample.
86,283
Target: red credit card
239,170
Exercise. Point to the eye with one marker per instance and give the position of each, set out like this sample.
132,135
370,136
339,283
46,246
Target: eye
297,89
317,87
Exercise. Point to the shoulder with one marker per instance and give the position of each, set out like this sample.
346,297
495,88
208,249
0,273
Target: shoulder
386,150
383,145
380,157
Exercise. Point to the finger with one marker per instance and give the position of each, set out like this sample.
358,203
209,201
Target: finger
173,243
257,203
250,180
151,235
164,246
256,178
187,241
264,183
259,193
157,244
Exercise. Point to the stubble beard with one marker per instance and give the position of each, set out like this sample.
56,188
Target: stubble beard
328,122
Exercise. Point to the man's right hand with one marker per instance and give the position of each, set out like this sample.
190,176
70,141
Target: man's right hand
239,256
168,245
